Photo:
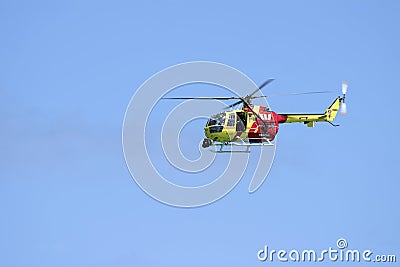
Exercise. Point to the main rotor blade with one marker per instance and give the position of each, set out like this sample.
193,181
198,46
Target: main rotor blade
234,104
201,98
290,94
261,86
222,98
265,83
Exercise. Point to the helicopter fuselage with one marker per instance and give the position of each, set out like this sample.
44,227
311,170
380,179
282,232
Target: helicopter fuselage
231,125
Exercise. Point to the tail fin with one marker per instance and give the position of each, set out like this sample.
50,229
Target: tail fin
333,109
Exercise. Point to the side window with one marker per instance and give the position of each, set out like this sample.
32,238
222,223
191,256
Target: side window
231,120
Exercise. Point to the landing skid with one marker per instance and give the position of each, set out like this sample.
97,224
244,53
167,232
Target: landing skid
243,143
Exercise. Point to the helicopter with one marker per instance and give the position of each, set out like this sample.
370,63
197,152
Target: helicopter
253,125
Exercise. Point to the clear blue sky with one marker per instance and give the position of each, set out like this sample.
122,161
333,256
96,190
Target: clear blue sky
69,68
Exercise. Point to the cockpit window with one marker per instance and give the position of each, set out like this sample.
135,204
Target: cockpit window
218,119
231,120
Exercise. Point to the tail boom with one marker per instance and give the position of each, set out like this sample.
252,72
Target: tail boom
309,119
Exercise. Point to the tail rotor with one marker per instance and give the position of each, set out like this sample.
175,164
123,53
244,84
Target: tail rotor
343,110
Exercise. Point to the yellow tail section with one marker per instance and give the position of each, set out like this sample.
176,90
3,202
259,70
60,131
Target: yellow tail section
332,111
309,119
